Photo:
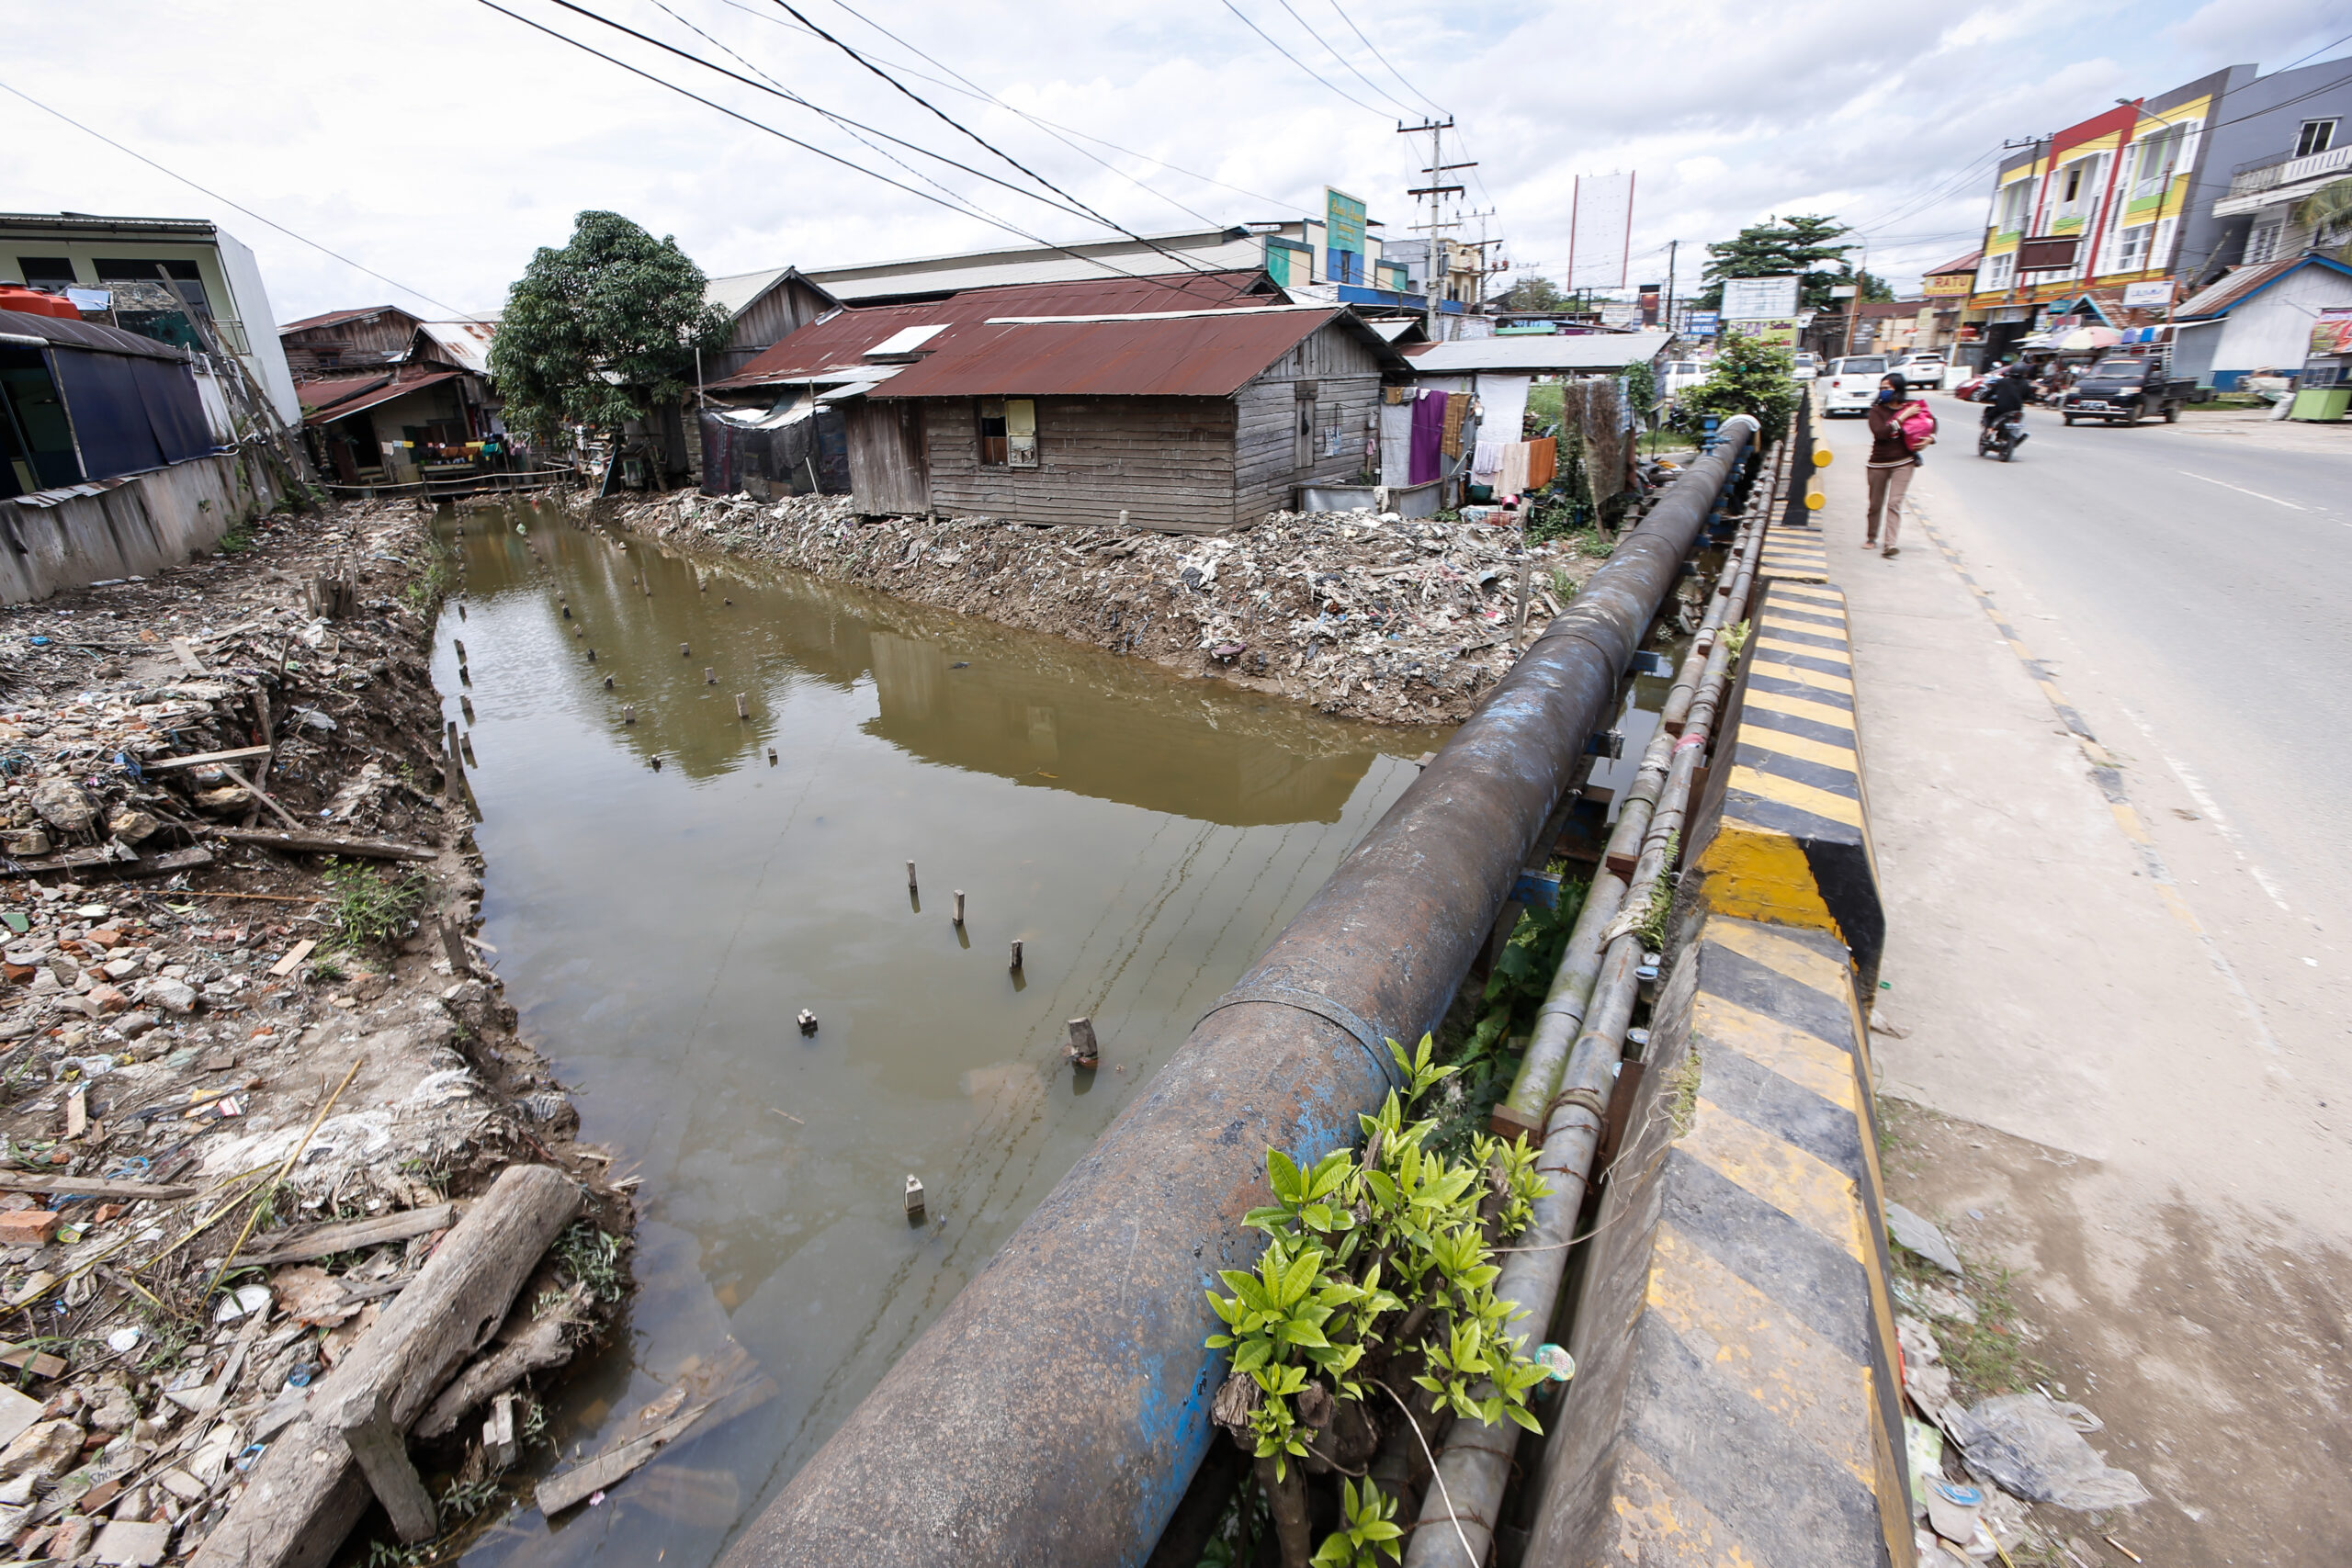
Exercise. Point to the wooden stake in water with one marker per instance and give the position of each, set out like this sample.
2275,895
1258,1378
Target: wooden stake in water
1017,956
629,714
743,709
686,651
459,644
467,744
465,707
958,915
709,676
910,876
1084,1050
453,739
771,756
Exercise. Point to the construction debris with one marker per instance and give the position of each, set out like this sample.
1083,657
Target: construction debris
1365,614
182,990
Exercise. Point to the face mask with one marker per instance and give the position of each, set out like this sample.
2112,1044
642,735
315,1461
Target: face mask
1887,394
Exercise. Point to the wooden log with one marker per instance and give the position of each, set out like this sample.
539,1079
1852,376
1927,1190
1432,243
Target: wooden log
498,1450
262,796
307,1492
204,758
321,843
93,1186
350,1236
381,1449
453,947
103,856
533,1343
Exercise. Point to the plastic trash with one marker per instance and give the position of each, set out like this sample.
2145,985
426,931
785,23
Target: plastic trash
2029,1445
1916,1234
123,1340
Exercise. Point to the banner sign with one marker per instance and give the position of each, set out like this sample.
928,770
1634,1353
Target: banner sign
2147,296
1754,299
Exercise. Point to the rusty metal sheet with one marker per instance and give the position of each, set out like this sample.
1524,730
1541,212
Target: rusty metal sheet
326,401
1196,357
838,342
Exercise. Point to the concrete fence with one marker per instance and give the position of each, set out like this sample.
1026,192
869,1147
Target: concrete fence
128,526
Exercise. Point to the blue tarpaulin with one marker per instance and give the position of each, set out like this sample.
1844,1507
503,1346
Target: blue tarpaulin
129,413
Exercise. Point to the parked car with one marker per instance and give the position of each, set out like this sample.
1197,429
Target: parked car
1853,383
1922,370
1681,374
2123,390
1808,366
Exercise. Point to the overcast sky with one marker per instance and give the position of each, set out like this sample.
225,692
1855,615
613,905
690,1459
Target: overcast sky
438,141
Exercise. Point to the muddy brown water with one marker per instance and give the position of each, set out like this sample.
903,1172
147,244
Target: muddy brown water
1143,836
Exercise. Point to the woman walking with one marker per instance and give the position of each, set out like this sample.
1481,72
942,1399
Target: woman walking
1900,426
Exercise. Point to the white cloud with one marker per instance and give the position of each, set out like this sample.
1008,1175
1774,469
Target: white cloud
440,143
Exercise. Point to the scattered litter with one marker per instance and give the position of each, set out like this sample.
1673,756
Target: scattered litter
2032,1446
1916,1235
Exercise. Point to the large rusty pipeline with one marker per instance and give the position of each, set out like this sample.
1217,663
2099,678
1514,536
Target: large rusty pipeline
1057,1410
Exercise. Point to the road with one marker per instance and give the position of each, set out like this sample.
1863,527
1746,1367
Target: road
2105,692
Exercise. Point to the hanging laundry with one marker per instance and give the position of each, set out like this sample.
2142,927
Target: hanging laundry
1486,461
1428,436
1542,461
1456,411
1511,478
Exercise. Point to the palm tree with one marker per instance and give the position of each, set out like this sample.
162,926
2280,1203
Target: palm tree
2327,213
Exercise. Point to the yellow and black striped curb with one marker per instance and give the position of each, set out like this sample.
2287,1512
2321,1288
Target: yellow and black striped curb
1739,1402
1782,834
1793,555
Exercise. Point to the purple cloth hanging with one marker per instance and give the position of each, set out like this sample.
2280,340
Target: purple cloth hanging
1429,437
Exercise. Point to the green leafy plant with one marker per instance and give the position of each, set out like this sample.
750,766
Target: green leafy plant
371,907
1368,1532
1749,376
1651,927
431,584
239,536
592,1257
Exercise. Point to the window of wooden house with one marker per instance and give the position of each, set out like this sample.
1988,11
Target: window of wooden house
1009,433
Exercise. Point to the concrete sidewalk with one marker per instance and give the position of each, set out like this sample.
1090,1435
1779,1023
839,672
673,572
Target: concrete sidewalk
2112,1116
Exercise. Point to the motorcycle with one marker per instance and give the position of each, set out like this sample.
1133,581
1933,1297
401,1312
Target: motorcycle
2000,439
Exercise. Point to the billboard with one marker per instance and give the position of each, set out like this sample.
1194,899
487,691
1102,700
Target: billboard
1343,230
1701,323
2331,333
1782,330
1600,231
1756,299
2147,296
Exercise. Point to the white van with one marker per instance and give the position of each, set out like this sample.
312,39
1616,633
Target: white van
1851,386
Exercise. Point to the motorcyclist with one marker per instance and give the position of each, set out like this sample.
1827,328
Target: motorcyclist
2004,399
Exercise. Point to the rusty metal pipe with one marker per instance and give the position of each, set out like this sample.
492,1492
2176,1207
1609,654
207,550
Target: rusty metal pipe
1055,1411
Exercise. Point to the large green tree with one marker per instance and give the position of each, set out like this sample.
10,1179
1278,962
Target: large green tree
602,331
1532,294
1804,248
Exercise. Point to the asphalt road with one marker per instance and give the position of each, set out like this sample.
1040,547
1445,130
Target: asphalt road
2116,973
2205,570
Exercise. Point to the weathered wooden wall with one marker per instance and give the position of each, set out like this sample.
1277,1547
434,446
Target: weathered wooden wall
887,463
1167,462
1344,375
766,321
381,339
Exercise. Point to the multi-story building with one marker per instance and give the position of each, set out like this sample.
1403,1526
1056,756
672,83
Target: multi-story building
206,280
2174,190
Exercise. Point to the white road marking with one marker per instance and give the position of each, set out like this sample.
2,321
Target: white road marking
2242,491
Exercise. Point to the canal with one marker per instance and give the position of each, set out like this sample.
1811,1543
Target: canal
668,886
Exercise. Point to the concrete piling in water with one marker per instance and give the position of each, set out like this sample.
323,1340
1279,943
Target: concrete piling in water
743,709
958,915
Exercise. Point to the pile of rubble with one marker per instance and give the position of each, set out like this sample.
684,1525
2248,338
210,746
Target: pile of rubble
1364,614
249,1058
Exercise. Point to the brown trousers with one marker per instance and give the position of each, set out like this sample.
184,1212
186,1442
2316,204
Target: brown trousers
1888,487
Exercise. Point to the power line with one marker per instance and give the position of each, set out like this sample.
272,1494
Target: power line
1384,59
973,89
1108,222
792,98
1342,59
1294,59
830,157
224,201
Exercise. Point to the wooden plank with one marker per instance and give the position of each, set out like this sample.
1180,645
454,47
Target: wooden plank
350,1236
101,858
92,1186
381,1449
40,1363
294,956
321,843
307,1493
184,651
575,1485
205,759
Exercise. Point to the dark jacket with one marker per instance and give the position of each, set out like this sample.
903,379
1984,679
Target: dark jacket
1887,445
2007,395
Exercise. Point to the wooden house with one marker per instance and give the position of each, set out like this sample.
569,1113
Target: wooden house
763,307
1197,402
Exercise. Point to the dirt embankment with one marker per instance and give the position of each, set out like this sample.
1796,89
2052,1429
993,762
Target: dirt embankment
212,1047
1396,621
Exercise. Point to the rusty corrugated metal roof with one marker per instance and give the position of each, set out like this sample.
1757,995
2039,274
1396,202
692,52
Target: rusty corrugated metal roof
1182,355
333,317
837,344
328,400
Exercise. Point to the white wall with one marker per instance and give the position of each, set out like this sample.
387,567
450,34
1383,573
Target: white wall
2273,331
267,358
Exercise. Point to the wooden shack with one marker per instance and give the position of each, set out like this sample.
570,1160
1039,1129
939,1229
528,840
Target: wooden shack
1199,420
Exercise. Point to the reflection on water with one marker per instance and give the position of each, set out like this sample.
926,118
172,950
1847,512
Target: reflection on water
1143,836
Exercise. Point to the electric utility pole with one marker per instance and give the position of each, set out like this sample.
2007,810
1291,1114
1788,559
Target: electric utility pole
1436,190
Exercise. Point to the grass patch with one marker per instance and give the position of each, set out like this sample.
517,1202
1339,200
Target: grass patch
1683,1089
1990,1356
371,907
240,537
592,1258
432,584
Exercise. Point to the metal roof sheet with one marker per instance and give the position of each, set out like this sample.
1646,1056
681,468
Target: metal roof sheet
332,318
463,342
834,347
1964,264
1224,250
2242,283
1193,355
1585,351
342,396
93,335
